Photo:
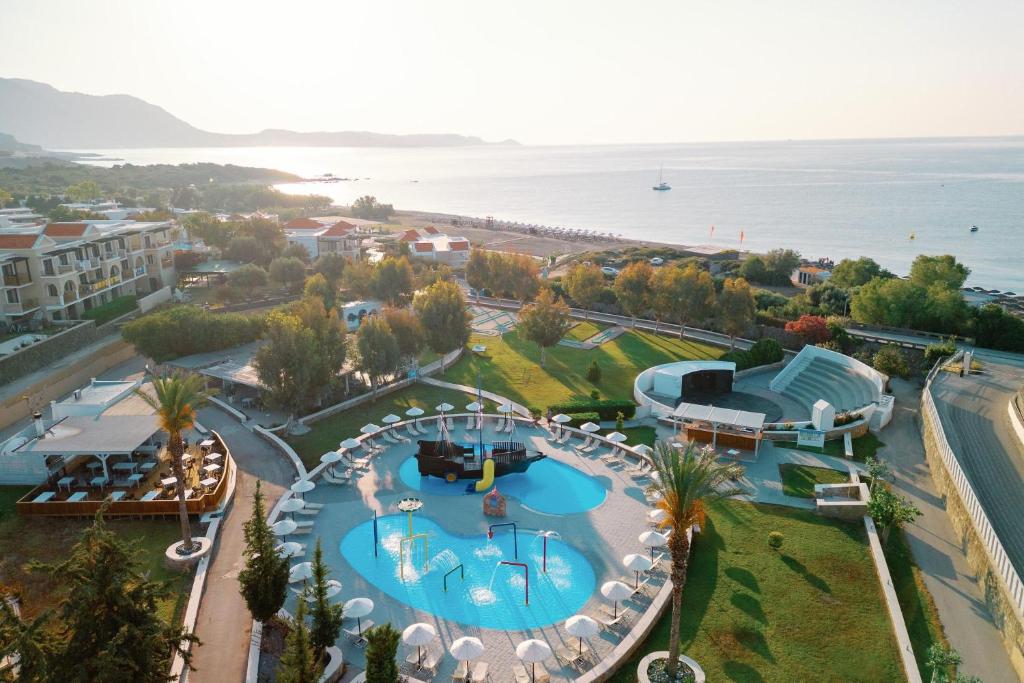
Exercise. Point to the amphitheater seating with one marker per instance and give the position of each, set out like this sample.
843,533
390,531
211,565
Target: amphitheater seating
822,378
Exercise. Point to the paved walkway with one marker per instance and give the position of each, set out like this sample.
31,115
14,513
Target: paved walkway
224,623
937,548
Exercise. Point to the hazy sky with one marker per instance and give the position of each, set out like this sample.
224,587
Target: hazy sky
542,72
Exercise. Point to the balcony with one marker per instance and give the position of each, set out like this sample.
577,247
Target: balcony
140,271
19,280
19,307
114,254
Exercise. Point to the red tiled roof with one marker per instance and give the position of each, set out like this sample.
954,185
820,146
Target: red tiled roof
342,225
336,230
424,246
432,230
409,236
458,246
65,229
17,241
303,223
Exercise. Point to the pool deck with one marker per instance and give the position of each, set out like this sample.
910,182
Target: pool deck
603,535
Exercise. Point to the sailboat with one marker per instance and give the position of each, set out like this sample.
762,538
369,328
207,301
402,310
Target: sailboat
662,186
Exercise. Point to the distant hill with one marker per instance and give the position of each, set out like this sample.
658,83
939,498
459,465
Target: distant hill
10,144
42,115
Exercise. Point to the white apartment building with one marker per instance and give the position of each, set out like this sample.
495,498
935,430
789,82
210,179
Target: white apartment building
326,235
430,244
60,270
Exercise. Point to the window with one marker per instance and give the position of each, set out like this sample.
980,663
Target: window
48,267
150,260
51,290
12,296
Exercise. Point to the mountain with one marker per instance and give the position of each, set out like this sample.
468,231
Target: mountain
9,145
55,119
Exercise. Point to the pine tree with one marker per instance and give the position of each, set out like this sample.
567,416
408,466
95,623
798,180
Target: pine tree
326,617
107,615
298,663
381,646
264,580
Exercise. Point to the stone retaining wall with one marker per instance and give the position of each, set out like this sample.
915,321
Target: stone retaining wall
38,356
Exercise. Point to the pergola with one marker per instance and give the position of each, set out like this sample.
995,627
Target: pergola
742,424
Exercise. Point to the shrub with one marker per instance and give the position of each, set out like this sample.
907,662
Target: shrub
381,646
943,349
812,329
183,330
619,421
775,539
765,351
594,372
112,309
582,418
248,276
607,409
891,361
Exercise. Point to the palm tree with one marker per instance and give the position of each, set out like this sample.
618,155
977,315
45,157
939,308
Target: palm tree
175,400
687,482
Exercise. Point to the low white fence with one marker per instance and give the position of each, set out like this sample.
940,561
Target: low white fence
151,301
998,558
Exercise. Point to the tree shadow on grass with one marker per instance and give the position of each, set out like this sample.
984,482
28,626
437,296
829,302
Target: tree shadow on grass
744,577
754,641
749,605
738,671
813,579
701,579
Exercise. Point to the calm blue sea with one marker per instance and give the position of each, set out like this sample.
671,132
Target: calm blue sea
824,198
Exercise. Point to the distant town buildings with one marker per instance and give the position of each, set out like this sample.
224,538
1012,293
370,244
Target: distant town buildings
327,235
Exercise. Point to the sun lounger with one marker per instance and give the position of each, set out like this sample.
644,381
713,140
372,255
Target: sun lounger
358,463
471,422
449,423
314,506
460,673
304,524
612,457
564,438
388,436
480,674
510,426
411,431
572,656
152,495
309,512
356,636
427,661
399,436
608,622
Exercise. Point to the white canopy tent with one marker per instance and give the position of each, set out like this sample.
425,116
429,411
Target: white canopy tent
737,421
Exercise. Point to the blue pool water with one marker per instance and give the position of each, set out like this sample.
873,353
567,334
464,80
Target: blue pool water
548,486
490,595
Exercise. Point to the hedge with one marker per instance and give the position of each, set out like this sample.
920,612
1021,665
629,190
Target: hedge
579,419
112,309
178,331
606,409
763,352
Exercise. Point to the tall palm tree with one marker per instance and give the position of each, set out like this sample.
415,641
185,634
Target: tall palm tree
687,482
175,399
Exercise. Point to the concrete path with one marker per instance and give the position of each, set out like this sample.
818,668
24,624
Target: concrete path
224,623
937,549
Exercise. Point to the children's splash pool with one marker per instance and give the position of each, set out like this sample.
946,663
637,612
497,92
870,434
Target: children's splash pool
490,595
548,486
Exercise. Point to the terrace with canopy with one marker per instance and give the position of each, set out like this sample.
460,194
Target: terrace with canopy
734,429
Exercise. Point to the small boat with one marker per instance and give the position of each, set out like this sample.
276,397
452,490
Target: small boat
913,236
662,186
452,461
975,228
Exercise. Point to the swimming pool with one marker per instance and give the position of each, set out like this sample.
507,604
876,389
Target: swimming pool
490,595
548,486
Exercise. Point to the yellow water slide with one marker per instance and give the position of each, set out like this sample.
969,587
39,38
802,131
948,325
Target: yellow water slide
488,479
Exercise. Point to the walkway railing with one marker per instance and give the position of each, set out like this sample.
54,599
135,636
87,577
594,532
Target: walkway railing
998,559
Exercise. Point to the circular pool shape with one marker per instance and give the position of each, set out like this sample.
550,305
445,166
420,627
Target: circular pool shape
548,486
491,595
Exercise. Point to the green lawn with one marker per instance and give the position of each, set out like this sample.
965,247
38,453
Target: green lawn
46,540
639,435
811,611
510,366
584,330
864,447
916,603
326,434
799,480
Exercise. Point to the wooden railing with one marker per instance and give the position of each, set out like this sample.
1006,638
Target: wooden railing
132,508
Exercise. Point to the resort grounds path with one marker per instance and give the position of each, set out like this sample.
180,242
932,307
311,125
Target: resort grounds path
224,624
937,548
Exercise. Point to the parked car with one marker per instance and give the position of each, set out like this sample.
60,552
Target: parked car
657,261
608,270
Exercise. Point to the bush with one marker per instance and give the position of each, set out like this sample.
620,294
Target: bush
943,349
183,330
891,361
607,409
582,418
765,352
112,309
775,539
248,276
594,372
595,395
619,422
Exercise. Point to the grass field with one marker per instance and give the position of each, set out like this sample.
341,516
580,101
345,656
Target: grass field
511,366
811,611
864,447
639,435
916,603
584,330
326,434
46,540
799,480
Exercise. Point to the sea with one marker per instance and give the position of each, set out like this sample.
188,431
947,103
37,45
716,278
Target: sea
887,199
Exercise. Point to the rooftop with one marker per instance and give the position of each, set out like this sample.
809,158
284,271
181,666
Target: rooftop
91,434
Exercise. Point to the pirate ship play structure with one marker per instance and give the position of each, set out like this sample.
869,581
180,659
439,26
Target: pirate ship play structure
478,461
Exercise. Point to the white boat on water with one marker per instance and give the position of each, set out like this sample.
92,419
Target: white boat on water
662,186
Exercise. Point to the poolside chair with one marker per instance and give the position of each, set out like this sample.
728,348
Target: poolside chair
564,438
358,463
471,422
612,457
449,423
302,530
461,672
398,436
389,437
412,430
573,657
579,448
314,506
607,621
480,673
356,636
367,448
510,425
308,512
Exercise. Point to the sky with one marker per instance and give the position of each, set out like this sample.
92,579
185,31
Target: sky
542,72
